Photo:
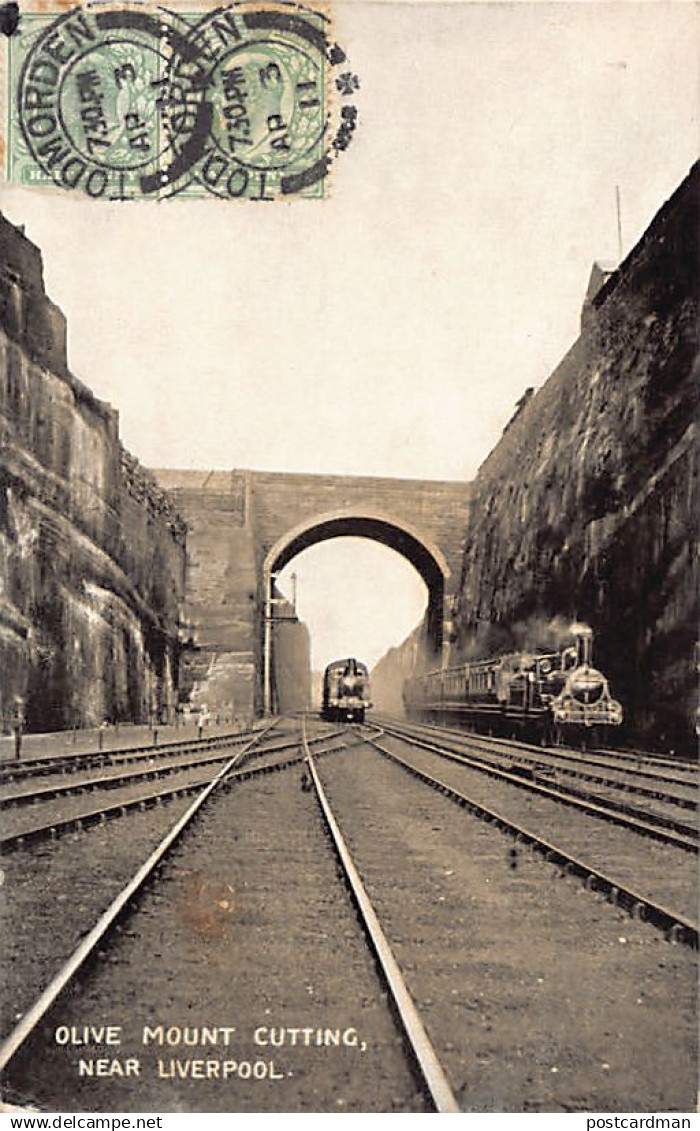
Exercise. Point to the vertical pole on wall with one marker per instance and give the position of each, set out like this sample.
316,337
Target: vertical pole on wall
294,593
267,629
268,582
619,223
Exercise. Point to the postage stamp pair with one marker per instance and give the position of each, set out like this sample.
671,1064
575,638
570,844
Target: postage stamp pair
125,101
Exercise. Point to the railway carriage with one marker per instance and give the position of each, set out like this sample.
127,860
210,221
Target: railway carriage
552,696
346,694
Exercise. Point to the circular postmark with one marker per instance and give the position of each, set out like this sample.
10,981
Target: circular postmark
275,100
269,99
124,101
111,101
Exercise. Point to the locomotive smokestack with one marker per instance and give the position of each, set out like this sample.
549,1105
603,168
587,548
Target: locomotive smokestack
584,642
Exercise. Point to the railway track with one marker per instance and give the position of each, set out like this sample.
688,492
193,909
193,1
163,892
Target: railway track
120,924
157,766
118,907
644,762
419,1044
677,926
656,817
577,763
650,758
84,816
283,953
13,771
232,774
471,925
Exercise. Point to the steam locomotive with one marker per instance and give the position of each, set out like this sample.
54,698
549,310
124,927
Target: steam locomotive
345,691
552,696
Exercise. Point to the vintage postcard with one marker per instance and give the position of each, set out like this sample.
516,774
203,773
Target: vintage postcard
348,605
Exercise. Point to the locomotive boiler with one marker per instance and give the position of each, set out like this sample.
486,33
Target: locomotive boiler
552,696
345,691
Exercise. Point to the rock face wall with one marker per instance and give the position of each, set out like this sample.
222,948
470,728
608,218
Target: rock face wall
91,550
587,507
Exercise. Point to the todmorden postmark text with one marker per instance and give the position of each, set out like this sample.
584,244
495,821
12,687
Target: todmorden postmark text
125,101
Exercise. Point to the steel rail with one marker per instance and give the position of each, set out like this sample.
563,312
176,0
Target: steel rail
98,816
58,983
431,1070
43,767
583,768
598,758
639,817
115,781
81,764
666,829
651,757
495,711
8,766
678,927
90,818
587,769
272,767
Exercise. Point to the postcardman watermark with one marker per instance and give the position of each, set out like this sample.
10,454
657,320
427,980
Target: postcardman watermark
130,101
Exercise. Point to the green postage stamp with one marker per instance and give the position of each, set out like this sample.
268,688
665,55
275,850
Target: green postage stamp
127,101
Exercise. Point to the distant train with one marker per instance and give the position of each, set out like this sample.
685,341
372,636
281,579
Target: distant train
552,696
345,691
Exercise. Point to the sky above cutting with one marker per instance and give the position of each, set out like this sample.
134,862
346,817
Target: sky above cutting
391,328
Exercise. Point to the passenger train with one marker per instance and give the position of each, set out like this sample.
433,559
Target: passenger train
346,694
553,696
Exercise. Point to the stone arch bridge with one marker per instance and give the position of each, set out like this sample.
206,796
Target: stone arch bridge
245,526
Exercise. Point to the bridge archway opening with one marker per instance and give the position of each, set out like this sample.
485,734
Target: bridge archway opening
355,596
409,543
